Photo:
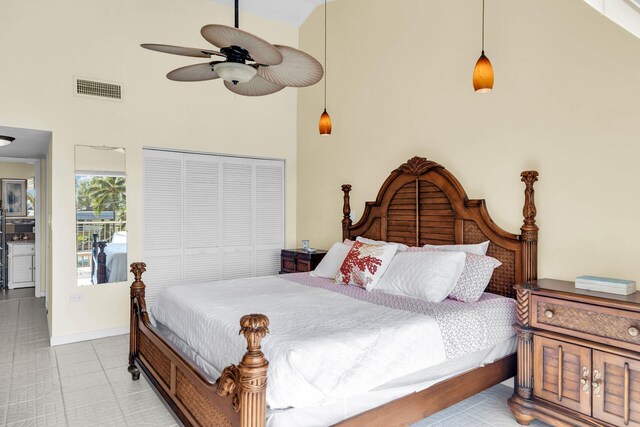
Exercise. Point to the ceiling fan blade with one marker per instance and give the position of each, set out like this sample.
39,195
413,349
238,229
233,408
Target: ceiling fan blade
257,86
183,51
297,69
193,73
260,50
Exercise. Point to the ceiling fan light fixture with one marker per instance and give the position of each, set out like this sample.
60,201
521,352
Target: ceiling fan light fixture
6,140
325,123
235,72
483,75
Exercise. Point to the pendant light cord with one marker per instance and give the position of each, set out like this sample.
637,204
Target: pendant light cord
237,17
482,27
325,55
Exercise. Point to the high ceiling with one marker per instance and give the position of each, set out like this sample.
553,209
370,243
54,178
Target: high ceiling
625,13
293,12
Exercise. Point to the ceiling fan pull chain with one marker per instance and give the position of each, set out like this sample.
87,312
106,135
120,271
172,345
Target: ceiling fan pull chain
237,15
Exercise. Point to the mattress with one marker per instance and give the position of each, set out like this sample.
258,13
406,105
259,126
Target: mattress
328,342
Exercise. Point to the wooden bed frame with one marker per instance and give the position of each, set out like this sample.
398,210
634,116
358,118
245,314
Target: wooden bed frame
420,202
98,260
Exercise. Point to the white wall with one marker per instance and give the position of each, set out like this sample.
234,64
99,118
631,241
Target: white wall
565,103
17,170
101,40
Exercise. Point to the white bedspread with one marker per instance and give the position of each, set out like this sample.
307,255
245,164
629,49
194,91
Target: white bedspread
117,267
322,346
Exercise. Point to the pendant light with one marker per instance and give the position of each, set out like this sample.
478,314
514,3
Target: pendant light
325,120
483,72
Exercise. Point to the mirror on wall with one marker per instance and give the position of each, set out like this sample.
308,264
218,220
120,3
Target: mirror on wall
101,215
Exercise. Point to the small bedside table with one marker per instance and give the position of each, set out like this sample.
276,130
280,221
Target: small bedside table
299,260
578,356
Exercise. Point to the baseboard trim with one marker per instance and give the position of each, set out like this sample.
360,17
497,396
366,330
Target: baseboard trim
510,382
86,336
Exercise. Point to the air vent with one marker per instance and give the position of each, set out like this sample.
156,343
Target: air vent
97,89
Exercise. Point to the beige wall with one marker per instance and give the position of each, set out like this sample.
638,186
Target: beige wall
100,41
565,103
17,170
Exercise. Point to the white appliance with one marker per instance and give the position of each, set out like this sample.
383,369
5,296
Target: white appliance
21,263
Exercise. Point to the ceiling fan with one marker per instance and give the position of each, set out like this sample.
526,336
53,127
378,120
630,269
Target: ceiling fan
248,65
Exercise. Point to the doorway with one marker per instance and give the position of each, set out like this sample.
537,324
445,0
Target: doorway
23,242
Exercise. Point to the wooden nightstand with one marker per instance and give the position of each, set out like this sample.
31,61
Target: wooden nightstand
578,356
299,260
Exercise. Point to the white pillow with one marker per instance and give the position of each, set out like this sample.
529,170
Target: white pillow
330,264
429,276
475,276
365,264
478,248
401,247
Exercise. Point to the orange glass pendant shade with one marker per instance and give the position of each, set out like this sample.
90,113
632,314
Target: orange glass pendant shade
325,123
483,75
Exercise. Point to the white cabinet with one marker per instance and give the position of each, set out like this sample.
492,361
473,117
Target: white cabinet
21,265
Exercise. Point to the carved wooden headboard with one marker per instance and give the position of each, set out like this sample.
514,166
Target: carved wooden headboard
422,202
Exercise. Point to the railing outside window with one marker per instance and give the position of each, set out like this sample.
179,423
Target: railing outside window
84,233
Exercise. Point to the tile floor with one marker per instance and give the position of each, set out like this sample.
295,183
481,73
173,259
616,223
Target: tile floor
87,384
82,384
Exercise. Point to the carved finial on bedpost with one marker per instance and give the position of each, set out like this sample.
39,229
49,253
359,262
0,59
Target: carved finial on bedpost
138,310
529,228
346,212
137,287
253,372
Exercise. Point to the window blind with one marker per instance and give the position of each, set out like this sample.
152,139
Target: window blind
210,218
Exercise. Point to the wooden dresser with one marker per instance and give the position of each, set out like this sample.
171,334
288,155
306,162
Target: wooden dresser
578,356
299,260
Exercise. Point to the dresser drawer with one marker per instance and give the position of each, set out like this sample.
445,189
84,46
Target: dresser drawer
601,324
303,266
288,265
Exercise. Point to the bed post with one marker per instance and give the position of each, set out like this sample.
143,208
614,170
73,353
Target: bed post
247,382
524,378
101,273
529,229
346,212
138,309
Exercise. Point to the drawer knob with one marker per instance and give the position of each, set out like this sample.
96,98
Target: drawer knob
633,331
548,314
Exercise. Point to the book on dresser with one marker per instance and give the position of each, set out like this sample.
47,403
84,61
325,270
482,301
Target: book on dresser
606,284
578,356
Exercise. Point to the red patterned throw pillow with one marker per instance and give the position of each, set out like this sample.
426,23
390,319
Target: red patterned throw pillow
365,264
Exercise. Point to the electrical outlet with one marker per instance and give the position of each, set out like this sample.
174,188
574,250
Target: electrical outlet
76,298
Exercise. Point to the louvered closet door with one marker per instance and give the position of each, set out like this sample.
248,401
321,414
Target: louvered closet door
163,219
269,216
203,214
209,218
237,218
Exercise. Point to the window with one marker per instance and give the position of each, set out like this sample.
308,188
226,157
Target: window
31,196
210,218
